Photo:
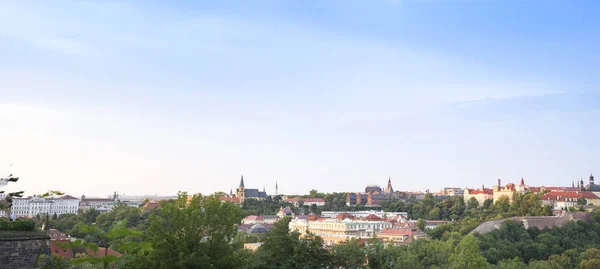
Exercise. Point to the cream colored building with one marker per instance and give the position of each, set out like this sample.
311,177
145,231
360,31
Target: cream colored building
334,231
480,195
509,190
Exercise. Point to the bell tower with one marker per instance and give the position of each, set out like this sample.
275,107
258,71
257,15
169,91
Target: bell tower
241,190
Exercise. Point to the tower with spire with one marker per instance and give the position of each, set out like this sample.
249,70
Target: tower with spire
240,192
389,189
276,189
244,193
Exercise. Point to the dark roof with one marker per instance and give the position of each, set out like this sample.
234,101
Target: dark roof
242,182
254,193
592,187
257,229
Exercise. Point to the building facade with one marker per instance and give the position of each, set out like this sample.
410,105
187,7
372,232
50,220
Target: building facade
305,201
363,214
334,231
479,194
242,193
509,190
35,205
564,200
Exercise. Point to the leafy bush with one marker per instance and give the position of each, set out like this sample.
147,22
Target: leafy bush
17,225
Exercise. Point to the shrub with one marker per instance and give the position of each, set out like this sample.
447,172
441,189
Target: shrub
17,225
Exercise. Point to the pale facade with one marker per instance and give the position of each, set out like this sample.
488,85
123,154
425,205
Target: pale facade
480,195
32,206
363,214
509,190
334,231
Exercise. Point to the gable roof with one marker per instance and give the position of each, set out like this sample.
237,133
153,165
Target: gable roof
254,193
556,195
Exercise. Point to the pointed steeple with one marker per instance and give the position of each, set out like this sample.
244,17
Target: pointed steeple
242,182
276,189
573,184
389,189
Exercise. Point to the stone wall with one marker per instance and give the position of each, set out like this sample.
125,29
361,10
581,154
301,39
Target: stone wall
539,222
22,253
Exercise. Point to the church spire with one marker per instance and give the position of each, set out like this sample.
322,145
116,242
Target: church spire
242,182
276,189
389,189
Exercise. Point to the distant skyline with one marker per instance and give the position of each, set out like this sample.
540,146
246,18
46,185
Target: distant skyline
155,97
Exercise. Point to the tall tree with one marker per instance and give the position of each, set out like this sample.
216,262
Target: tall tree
6,205
466,254
195,234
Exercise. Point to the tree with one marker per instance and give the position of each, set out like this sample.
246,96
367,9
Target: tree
115,237
313,193
313,208
590,259
6,205
473,203
582,201
466,255
282,249
195,234
349,255
421,224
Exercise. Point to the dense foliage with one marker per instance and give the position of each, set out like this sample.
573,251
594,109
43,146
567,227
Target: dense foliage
201,233
16,225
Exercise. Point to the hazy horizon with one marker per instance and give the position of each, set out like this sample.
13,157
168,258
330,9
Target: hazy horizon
156,97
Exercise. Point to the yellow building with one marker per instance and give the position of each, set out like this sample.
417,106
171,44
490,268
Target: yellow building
480,195
335,231
509,190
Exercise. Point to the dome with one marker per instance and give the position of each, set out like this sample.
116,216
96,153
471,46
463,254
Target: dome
257,229
592,187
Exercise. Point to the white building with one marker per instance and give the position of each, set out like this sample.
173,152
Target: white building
32,206
362,214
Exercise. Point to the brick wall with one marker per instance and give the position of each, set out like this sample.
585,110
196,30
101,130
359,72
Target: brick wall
22,253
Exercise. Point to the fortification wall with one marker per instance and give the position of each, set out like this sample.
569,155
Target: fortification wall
539,222
22,253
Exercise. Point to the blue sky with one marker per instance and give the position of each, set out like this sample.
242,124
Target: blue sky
149,97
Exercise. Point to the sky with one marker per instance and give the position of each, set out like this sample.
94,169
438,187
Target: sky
155,97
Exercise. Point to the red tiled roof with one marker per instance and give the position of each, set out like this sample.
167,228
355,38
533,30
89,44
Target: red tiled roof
372,217
68,197
396,232
484,191
56,234
152,205
59,250
556,195
252,217
345,215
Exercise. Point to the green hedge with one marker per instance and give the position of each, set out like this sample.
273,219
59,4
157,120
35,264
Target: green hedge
17,225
